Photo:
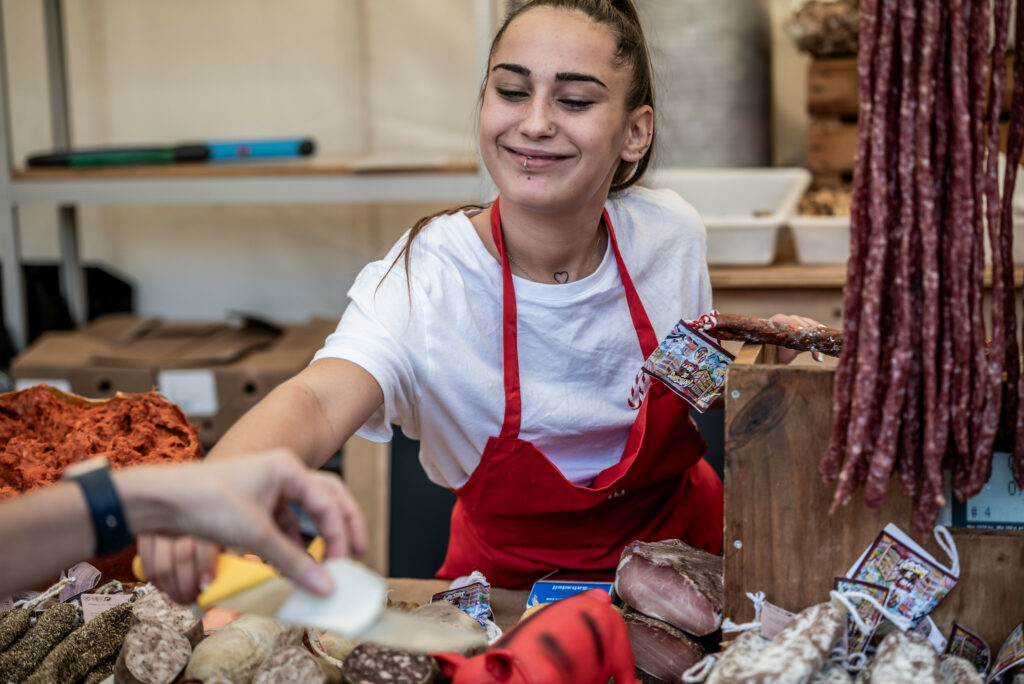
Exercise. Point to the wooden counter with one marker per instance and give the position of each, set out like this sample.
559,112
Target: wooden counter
507,604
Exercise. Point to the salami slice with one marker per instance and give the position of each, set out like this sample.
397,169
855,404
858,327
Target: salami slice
156,606
295,664
372,664
152,653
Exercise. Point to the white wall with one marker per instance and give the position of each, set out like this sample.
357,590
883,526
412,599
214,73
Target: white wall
356,75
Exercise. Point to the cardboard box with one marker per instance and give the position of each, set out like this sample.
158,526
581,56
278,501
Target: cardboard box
214,371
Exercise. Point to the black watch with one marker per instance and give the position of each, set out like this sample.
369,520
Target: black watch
108,519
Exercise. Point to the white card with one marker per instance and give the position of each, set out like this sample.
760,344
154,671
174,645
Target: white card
193,390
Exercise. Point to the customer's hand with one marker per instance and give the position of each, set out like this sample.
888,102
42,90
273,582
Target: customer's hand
240,503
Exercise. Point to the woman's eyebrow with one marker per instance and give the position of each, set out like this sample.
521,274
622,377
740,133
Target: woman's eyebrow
562,76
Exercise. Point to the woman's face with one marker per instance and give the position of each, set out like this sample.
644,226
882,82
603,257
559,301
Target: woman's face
553,123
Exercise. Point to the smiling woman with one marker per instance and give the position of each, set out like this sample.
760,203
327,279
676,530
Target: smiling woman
556,293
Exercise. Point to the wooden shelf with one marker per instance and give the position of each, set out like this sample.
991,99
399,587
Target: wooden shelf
780,276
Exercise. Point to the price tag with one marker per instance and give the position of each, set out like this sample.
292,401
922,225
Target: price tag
1000,504
85,576
94,604
195,391
6,604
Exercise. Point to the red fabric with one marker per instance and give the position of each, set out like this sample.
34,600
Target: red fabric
517,517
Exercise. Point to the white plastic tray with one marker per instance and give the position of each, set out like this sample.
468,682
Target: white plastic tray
743,208
821,240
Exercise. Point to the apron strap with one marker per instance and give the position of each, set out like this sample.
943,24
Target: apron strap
513,396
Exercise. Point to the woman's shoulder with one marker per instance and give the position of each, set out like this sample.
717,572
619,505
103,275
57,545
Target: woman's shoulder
660,208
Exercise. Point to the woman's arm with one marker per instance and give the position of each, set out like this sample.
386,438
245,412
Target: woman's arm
312,414
48,530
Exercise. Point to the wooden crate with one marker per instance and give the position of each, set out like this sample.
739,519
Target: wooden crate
779,538
833,106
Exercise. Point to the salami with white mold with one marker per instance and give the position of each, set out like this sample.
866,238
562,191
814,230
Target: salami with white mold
957,670
905,657
672,582
659,648
738,658
796,653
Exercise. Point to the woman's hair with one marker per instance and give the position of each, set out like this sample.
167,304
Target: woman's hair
621,17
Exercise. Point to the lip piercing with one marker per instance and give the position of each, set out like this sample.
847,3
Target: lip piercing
526,160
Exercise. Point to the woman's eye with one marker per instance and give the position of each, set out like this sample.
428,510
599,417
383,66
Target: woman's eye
511,94
576,104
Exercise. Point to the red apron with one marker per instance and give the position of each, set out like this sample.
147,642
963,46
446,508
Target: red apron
517,517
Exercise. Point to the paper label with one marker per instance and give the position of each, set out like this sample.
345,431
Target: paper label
547,591
94,604
691,364
915,580
85,576
774,619
856,640
970,647
6,604
195,391
63,384
1010,654
472,599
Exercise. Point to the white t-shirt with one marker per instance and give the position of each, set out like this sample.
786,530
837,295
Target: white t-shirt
435,345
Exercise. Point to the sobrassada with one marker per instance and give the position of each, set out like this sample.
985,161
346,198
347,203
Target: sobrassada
156,606
25,654
295,664
85,648
659,648
674,583
152,653
372,664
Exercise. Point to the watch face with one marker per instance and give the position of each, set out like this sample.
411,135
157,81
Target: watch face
76,470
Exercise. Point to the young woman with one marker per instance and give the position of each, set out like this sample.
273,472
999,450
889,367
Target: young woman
507,339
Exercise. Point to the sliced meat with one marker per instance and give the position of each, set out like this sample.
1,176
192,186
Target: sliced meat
659,648
672,582
156,606
295,664
372,664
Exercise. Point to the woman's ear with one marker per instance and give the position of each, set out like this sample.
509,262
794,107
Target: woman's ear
639,134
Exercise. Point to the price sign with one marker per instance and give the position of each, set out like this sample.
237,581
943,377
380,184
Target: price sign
1000,505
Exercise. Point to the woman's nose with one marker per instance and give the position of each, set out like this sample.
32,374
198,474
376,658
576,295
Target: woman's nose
537,121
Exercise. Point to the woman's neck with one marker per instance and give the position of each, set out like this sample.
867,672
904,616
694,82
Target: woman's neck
547,248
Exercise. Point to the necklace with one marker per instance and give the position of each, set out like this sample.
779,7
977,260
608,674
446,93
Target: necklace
559,277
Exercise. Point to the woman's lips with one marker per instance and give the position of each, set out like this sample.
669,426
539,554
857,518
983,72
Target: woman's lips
533,161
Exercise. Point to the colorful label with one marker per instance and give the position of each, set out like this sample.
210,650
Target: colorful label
473,599
856,640
970,647
692,364
549,591
1010,654
915,580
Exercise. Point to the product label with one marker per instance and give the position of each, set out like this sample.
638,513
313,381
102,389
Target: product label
1010,654
6,604
970,647
195,391
691,364
774,619
63,384
856,640
915,580
85,577
94,604
473,599
549,591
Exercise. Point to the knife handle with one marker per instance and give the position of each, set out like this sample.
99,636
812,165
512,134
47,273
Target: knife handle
234,573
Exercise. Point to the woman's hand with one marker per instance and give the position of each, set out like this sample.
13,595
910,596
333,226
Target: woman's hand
786,356
240,503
